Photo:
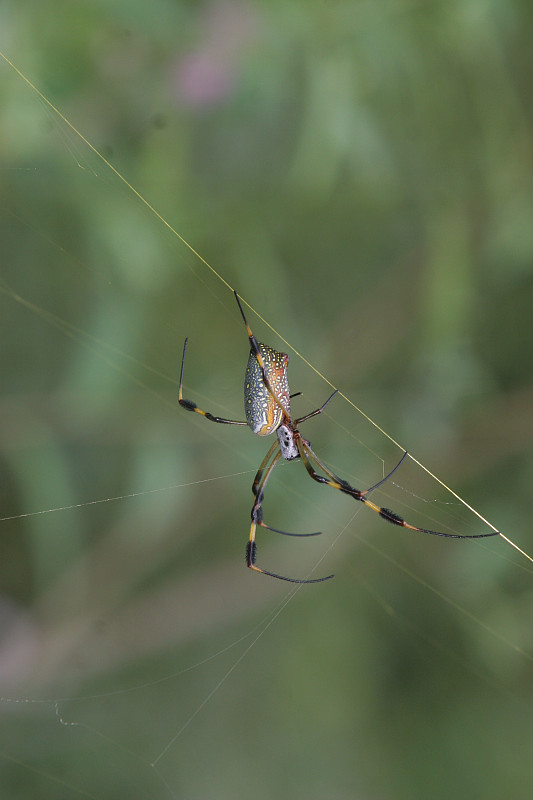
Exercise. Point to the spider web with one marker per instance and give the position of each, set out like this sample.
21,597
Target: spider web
141,657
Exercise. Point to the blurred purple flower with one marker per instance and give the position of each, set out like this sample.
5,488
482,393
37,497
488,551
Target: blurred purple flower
203,80
19,640
206,76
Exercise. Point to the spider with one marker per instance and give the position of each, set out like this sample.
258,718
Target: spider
267,409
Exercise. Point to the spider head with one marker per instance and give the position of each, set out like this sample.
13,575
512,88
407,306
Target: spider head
287,442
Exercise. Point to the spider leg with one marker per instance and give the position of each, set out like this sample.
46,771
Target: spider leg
309,458
258,489
386,478
318,410
258,485
190,406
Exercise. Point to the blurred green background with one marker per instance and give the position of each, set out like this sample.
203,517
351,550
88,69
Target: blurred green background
362,173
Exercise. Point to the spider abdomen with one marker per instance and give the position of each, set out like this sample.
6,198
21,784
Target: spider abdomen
263,414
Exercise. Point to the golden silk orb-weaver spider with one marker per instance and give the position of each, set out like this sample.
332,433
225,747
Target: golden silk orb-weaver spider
267,410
